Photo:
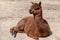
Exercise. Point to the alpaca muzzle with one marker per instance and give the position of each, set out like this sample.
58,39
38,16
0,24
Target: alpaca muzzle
30,11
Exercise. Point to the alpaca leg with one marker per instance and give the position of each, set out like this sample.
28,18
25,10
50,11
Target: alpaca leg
21,29
36,38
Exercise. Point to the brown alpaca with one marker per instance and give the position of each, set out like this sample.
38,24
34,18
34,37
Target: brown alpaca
35,26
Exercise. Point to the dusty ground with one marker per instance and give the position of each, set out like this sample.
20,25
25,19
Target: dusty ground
12,11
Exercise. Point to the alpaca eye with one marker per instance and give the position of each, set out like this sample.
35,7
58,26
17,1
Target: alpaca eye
37,9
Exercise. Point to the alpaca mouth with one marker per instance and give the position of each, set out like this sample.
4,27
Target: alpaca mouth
30,11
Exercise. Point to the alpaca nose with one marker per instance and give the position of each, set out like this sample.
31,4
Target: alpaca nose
30,11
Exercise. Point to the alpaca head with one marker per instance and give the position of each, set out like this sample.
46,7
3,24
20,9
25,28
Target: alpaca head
35,8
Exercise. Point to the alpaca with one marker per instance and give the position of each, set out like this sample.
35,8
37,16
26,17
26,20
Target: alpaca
34,26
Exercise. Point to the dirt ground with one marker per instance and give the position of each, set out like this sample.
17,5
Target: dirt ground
13,11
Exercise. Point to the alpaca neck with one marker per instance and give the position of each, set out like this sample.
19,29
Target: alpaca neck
38,18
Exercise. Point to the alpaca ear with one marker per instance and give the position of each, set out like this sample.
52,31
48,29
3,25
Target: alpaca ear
32,2
40,3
